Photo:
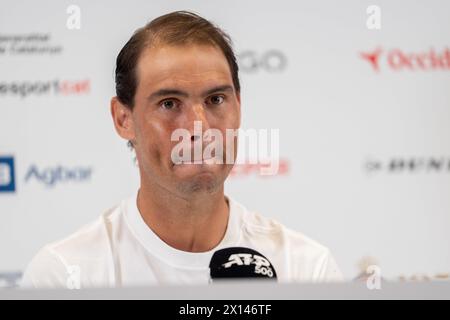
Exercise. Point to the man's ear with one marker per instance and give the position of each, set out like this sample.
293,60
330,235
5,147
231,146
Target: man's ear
123,120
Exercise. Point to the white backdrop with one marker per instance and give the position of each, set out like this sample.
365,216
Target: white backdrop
366,152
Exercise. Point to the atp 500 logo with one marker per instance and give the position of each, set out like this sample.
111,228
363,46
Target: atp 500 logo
262,265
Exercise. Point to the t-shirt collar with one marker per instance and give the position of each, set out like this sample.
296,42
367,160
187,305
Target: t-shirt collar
175,257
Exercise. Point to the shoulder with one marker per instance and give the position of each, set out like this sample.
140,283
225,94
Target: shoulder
70,260
303,258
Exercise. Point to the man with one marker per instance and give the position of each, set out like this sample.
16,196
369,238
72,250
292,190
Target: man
176,71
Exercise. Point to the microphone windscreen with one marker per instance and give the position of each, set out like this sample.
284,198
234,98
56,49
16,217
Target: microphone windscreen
240,262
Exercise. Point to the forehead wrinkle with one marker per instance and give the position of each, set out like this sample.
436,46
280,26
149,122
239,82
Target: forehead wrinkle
162,61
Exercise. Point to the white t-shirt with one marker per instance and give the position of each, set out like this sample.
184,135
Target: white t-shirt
119,249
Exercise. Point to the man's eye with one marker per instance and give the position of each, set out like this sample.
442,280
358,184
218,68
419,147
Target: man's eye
215,100
168,104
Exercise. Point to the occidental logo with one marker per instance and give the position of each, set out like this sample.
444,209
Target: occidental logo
400,60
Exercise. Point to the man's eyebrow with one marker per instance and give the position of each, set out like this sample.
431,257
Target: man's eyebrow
176,92
167,92
225,87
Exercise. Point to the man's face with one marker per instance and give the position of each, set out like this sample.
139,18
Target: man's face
178,85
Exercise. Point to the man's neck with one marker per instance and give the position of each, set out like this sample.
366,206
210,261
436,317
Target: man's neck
196,224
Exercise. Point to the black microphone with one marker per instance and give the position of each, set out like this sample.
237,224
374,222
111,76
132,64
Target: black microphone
239,262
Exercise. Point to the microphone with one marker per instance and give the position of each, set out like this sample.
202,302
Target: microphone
240,262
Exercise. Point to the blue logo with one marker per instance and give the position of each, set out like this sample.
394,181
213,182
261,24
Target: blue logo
51,176
7,178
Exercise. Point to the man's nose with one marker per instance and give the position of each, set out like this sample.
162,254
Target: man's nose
197,116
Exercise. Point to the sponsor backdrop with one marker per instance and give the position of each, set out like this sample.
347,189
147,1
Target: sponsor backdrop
363,117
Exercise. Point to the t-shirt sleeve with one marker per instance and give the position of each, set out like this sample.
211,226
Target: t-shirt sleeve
46,270
328,270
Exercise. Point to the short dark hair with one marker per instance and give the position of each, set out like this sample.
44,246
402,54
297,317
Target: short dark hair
176,28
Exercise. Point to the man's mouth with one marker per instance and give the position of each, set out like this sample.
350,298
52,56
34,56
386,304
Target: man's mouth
203,161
